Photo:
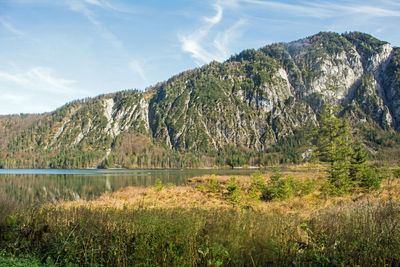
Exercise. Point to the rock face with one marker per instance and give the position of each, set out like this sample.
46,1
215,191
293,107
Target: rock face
253,100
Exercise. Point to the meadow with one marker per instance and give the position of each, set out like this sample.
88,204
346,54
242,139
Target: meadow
265,219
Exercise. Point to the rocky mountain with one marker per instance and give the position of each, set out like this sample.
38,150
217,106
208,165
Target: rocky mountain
254,108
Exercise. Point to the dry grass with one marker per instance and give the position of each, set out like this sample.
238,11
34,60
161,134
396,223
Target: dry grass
188,225
196,196
147,197
245,180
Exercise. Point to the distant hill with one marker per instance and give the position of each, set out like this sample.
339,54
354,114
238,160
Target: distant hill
256,108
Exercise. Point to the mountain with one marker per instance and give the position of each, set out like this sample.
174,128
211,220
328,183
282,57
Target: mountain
255,108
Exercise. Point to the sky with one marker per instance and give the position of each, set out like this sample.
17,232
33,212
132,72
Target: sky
56,51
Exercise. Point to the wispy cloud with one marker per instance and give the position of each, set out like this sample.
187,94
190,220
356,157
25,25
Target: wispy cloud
82,7
14,98
338,10
137,68
327,9
55,85
15,78
198,43
105,5
40,79
95,2
7,25
218,17
295,9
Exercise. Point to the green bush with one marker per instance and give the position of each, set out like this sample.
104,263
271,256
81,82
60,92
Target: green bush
234,190
281,188
370,180
213,185
257,185
308,186
158,186
9,260
396,173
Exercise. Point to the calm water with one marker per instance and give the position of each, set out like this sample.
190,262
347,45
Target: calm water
29,186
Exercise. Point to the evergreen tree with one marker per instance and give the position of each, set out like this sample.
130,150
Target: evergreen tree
358,163
333,145
360,172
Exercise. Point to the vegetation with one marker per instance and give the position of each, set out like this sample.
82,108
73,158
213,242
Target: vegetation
234,190
187,226
256,109
347,161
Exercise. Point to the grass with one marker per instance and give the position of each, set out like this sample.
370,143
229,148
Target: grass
196,226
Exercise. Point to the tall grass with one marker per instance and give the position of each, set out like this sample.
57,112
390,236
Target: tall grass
361,234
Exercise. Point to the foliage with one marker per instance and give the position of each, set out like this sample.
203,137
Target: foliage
235,157
281,188
9,260
158,186
332,145
360,172
257,186
289,148
213,185
234,190
347,165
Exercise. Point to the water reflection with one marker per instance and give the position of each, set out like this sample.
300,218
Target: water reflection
41,186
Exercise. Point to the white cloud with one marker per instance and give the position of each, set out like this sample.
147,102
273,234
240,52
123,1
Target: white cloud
15,99
11,28
297,10
94,2
81,7
327,9
35,90
218,17
192,45
223,39
46,77
105,5
203,44
39,79
352,9
137,67
206,43
15,78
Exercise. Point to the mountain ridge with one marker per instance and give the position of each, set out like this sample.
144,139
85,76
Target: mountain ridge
238,110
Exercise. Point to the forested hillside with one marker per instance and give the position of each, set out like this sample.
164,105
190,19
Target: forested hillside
256,108
12,126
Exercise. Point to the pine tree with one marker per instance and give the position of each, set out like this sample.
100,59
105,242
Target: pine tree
358,163
360,172
333,145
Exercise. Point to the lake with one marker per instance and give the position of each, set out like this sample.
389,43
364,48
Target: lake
33,186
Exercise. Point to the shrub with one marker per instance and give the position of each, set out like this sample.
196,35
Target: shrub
158,186
257,185
308,186
234,190
370,180
202,187
214,186
396,173
279,188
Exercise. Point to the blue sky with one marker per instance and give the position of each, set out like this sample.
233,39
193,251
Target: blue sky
55,51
